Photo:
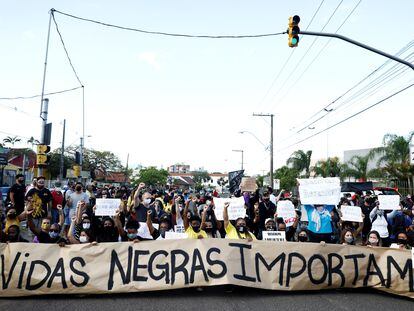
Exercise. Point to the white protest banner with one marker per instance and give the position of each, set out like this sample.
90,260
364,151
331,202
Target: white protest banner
169,235
107,207
320,190
389,202
286,210
248,184
351,213
179,228
235,210
276,236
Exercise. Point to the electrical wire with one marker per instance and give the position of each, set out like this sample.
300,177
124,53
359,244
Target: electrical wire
35,96
167,33
64,47
348,118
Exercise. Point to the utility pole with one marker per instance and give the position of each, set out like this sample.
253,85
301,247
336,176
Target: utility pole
126,169
271,115
43,116
62,152
242,152
81,158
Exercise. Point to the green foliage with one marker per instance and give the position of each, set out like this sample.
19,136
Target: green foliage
287,176
151,176
300,161
357,167
331,167
11,140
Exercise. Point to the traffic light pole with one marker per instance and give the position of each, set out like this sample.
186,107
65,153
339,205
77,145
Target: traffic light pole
62,152
362,45
43,116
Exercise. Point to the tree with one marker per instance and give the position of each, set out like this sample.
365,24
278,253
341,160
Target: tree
331,167
394,158
300,161
357,167
11,140
151,176
32,141
287,176
54,164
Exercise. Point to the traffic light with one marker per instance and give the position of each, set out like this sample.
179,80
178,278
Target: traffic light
77,157
43,158
293,31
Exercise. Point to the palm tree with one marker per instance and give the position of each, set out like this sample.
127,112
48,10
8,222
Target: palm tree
394,158
357,167
300,161
328,168
32,141
11,140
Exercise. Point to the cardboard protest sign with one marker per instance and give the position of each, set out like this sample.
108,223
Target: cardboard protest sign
389,202
248,184
107,207
275,236
286,210
127,267
235,180
320,190
351,213
169,235
235,210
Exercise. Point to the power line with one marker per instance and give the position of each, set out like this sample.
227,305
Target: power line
350,117
64,47
35,96
167,33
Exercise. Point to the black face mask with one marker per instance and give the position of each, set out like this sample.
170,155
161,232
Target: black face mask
196,228
78,189
21,181
271,228
208,230
11,216
402,241
302,238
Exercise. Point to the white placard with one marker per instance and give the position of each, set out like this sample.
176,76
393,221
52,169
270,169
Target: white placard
304,214
276,184
175,235
389,202
286,210
320,190
179,228
351,213
107,207
276,236
235,210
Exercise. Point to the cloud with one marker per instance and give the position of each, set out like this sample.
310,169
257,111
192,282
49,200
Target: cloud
150,58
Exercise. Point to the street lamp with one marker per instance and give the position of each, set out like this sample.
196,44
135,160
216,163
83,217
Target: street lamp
266,147
241,156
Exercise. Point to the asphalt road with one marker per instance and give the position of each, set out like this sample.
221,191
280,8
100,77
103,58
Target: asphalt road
241,299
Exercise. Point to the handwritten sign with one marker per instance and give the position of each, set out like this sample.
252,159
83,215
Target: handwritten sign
286,210
320,190
351,213
179,228
169,235
389,202
235,210
248,184
107,207
276,236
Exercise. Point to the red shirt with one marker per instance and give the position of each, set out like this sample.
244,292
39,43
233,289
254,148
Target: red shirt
57,198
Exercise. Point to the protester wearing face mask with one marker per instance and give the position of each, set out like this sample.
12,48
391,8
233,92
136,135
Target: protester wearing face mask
401,241
12,218
11,235
302,236
209,223
380,224
16,194
41,201
240,231
108,231
48,232
320,225
143,204
164,226
193,225
374,239
85,235
347,237
75,199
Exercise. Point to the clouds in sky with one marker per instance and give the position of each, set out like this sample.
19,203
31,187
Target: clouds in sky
151,59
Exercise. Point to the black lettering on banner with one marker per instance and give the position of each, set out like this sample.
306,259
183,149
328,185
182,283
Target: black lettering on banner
408,269
337,269
83,274
137,266
165,274
59,271
259,258
197,267
22,270
212,262
33,264
310,270
355,257
5,283
181,268
290,274
377,272
243,276
125,276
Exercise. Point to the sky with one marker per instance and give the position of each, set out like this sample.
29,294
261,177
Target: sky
167,100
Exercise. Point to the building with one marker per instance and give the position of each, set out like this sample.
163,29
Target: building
372,163
179,168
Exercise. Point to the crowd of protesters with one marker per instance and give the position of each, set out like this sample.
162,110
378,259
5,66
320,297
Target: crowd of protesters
66,215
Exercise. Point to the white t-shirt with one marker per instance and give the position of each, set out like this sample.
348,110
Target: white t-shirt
381,226
75,198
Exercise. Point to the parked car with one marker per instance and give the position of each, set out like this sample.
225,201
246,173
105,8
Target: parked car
386,191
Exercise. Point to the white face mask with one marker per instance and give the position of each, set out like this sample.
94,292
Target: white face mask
208,202
83,239
373,241
86,225
147,202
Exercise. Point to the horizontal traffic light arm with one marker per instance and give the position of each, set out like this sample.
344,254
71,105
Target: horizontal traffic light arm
362,45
